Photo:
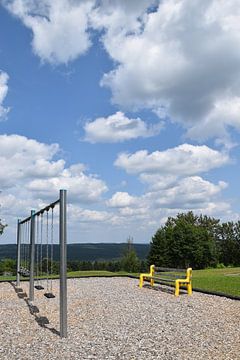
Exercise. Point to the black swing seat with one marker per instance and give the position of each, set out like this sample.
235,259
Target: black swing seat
49,295
39,287
24,272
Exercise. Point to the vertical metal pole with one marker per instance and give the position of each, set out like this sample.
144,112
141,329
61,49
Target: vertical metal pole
63,262
32,254
18,252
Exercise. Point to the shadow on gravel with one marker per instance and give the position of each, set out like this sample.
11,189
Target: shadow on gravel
34,310
165,290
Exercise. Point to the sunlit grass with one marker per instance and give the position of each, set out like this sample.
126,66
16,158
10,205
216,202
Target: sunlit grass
225,280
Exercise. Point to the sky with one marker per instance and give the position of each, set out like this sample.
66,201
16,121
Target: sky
133,107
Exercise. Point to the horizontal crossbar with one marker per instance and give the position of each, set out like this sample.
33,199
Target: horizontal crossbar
47,208
164,269
175,276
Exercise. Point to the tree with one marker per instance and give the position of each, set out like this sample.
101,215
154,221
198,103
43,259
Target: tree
2,227
130,261
229,243
187,240
8,265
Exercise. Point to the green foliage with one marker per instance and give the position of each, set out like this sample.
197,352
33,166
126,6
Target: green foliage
2,227
187,240
130,262
8,266
229,243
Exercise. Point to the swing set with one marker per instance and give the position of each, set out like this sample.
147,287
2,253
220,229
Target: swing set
36,244
39,252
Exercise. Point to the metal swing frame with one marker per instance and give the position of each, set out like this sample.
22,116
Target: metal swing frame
49,294
62,201
39,250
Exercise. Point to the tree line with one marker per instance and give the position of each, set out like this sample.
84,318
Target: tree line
186,240
129,262
198,241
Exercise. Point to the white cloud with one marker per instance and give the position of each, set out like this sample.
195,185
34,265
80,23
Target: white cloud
23,158
225,113
189,193
117,128
182,160
59,27
184,59
119,17
158,181
3,93
121,199
33,189
79,214
29,166
179,58
82,188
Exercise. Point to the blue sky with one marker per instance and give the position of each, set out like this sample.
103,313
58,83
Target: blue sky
133,107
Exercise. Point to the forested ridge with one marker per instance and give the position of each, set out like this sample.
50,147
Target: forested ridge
84,252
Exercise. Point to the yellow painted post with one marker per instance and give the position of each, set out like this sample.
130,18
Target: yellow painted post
141,281
177,287
189,285
152,269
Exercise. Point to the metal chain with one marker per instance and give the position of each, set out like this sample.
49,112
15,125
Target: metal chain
41,246
37,249
47,230
51,246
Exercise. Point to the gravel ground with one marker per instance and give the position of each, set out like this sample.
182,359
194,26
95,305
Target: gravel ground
111,318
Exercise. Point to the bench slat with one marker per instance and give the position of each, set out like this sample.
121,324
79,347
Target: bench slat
175,276
162,279
163,269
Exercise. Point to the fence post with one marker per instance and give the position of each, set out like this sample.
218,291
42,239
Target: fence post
32,255
63,262
18,252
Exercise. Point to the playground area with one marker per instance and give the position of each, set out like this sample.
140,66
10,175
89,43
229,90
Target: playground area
112,318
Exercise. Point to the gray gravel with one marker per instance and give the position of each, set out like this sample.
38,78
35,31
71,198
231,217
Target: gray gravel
111,318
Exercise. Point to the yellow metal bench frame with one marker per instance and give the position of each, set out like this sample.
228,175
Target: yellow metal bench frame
178,282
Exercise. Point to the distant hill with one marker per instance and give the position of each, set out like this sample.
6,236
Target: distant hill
84,252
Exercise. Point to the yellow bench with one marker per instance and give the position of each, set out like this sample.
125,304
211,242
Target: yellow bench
166,276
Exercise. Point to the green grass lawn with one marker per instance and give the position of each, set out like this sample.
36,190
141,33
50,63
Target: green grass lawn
95,273
225,280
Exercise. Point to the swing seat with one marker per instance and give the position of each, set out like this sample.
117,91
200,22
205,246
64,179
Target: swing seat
49,295
39,287
22,270
25,273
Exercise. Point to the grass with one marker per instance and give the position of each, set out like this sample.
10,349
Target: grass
95,273
225,280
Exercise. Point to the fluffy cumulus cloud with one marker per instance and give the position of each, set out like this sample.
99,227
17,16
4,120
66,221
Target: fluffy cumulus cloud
173,184
117,128
33,174
183,58
185,159
60,28
29,169
3,92
189,193
175,57
121,199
